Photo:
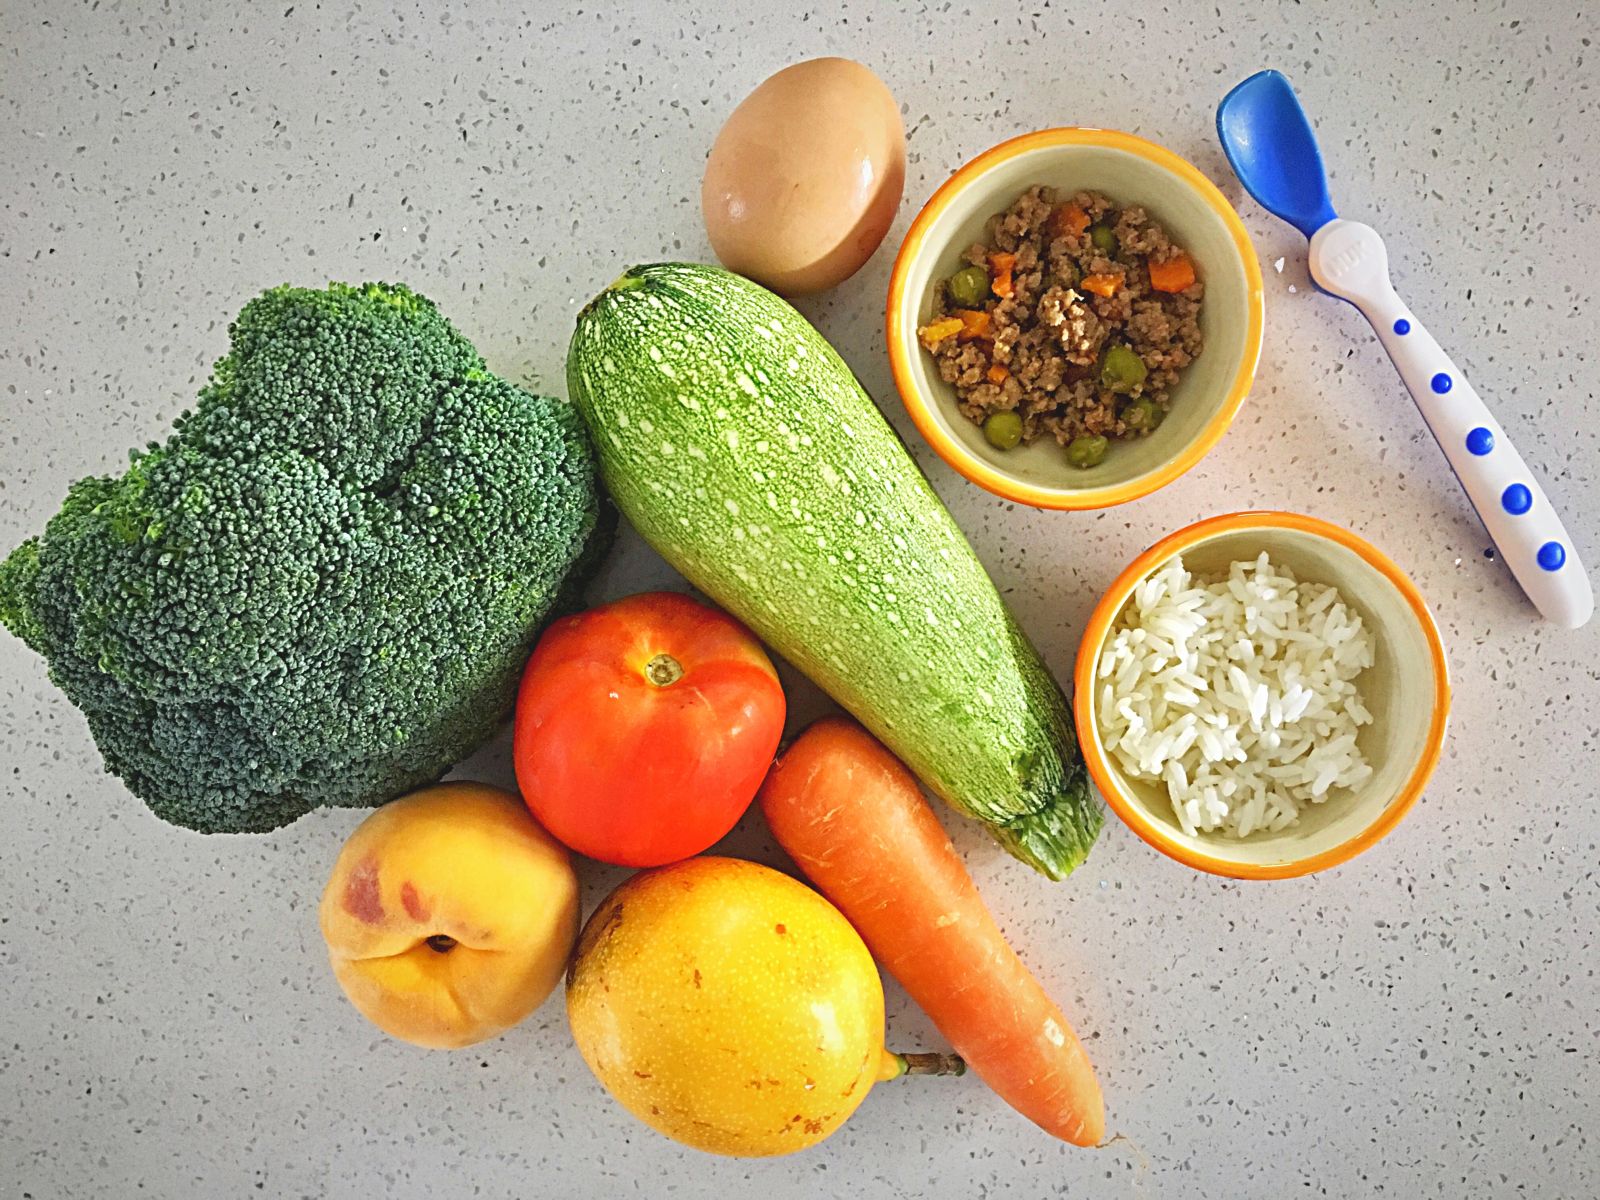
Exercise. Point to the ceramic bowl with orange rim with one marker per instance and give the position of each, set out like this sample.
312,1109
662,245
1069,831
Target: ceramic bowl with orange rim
1129,170
1407,690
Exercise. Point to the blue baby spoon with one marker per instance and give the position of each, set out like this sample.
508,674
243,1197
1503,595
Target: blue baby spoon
1273,151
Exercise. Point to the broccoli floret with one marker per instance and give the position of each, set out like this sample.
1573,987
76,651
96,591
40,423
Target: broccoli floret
322,588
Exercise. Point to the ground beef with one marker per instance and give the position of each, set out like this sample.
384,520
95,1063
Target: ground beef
1048,337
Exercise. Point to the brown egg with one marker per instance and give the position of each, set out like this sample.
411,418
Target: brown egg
805,178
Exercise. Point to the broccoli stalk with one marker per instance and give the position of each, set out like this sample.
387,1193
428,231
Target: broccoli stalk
322,588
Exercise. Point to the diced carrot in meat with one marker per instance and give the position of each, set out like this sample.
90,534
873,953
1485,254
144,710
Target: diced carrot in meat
1101,285
1174,275
998,374
1068,218
974,324
946,327
1000,274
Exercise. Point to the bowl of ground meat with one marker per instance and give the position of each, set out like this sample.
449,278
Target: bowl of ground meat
1075,318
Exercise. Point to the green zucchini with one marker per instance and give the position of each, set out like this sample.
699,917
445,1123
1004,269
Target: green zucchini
743,449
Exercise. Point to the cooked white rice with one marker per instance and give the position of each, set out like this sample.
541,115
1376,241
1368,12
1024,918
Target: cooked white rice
1238,694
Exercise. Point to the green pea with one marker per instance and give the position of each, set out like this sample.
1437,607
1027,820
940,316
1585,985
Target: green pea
969,287
1086,452
1104,240
1003,430
1121,370
1142,415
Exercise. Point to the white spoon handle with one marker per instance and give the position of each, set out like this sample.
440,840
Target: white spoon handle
1348,260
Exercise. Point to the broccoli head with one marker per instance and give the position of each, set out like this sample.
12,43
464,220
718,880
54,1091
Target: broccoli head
322,588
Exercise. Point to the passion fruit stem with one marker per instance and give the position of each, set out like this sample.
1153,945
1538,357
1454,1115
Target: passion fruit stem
896,1065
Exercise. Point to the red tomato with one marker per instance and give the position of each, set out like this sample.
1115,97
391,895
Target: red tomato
644,728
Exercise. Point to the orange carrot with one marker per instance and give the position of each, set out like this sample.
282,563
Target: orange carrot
932,334
855,821
1068,218
1000,266
999,373
1101,285
1174,275
974,324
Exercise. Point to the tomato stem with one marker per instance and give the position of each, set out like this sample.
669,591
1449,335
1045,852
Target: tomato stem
663,670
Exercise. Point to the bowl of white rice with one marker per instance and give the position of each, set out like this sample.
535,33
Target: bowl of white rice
1262,695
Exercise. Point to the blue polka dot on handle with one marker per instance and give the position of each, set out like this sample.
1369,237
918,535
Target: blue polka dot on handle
1480,441
1442,383
1402,327
1552,556
1516,499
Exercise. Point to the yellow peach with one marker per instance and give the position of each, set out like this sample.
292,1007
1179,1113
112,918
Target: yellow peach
450,915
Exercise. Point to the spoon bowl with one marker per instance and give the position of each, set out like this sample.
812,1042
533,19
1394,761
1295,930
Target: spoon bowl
1269,143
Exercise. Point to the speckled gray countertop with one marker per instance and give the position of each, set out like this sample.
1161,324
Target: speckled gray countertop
1420,1022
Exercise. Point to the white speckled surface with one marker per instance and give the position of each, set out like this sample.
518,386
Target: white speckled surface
1419,1023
